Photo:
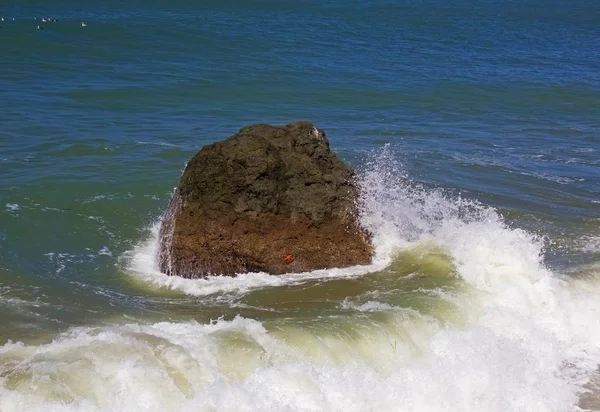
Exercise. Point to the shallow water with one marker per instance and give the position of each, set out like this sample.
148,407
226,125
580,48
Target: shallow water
473,128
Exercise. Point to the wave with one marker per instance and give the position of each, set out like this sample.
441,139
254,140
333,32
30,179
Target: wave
494,329
141,262
506,359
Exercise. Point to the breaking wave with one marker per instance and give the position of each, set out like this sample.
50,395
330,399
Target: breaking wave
459,312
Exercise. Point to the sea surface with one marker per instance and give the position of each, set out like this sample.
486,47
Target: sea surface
474,128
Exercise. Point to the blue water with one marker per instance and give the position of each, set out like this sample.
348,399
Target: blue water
492,102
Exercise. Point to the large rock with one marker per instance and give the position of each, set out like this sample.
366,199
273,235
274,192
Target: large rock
272,199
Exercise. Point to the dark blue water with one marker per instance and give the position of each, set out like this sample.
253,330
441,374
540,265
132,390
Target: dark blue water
493,102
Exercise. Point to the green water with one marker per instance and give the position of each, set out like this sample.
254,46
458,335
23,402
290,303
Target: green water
472,126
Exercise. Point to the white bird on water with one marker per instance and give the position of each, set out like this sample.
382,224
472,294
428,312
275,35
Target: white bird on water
83,24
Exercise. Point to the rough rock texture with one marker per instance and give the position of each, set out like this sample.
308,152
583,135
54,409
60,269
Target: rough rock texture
272,199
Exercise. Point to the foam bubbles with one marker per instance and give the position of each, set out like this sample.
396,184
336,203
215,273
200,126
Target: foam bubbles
407,360
105,251
370,306
527,341
141,263
589,244
400,212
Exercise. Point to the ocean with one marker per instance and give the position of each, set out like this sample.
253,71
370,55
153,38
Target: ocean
474,129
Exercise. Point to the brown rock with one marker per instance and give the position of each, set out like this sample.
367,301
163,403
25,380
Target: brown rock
272,199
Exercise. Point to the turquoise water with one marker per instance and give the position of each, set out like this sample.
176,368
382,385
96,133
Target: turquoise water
474,128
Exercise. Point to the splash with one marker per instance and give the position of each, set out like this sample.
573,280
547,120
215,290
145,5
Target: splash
526,339
400,212
164,254
141,263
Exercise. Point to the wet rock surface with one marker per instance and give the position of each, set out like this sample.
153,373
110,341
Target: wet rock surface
272,199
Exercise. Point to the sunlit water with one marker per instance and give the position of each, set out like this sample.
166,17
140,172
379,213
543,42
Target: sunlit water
475,135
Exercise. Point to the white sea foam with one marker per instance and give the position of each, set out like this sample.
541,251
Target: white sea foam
61,259
105,251
141,261
158,144
12,207
109,197
531,338
529,341
370,306
509,359
97,198
589,244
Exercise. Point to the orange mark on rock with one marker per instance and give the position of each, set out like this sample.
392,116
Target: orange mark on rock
288,259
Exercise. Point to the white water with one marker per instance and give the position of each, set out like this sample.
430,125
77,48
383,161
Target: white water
530,340
141,261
